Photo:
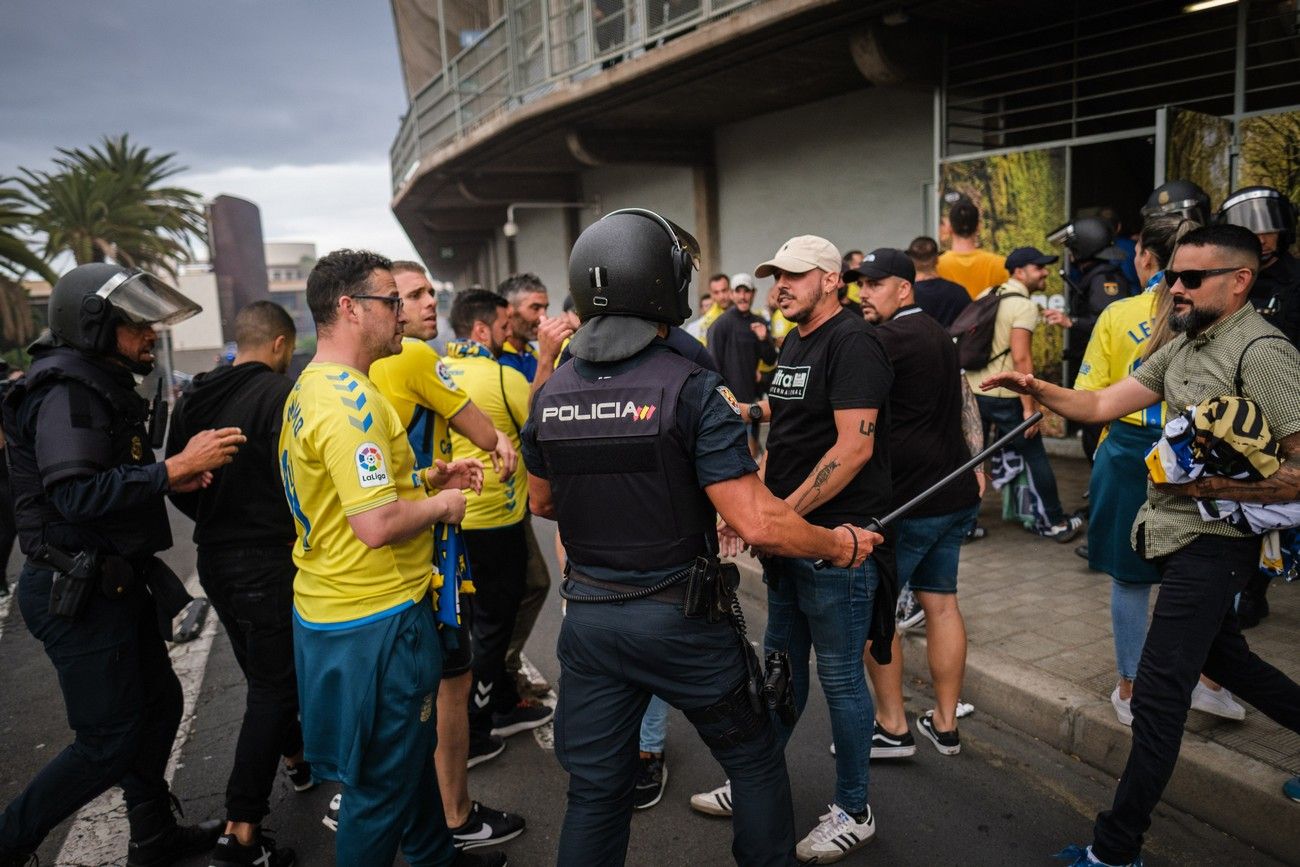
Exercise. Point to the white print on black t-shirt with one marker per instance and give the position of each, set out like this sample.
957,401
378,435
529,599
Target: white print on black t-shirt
789,383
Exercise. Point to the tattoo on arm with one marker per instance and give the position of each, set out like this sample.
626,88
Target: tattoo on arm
972,427
823,476
867,428
1281,487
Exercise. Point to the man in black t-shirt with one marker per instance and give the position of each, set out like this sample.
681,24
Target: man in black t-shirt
738,341
826,402
942,299
928,416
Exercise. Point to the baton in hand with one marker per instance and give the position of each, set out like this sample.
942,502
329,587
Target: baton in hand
877,525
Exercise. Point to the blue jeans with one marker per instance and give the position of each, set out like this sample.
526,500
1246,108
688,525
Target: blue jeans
1005,413
1128,622
827,610
654,726
928,549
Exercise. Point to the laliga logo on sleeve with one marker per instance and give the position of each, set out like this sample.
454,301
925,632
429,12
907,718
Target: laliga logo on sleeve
370,466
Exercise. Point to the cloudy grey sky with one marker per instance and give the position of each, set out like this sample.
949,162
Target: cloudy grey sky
288,103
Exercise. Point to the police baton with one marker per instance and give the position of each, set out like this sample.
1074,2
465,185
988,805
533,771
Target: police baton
877,525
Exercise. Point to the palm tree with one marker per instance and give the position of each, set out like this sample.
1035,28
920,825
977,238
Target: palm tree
109,201
17,328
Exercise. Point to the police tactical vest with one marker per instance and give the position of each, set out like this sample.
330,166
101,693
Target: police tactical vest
622,476
125,414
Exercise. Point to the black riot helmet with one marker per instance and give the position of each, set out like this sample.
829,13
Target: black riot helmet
633,262
1178,197
1262,210
1089,238
90,301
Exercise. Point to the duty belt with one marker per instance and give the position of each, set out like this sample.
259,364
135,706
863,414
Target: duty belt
671,590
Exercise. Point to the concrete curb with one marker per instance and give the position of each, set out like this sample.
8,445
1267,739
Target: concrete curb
1230,791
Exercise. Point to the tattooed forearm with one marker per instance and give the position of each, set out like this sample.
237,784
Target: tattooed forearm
867,428
972,428
1281,487
823,476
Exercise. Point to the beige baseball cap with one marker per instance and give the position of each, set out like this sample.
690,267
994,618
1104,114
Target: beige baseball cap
800,254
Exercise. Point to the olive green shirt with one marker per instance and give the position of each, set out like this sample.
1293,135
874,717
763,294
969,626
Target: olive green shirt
1189,370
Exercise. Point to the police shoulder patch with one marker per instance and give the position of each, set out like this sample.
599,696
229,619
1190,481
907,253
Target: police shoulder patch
729,398
444,375
1110,287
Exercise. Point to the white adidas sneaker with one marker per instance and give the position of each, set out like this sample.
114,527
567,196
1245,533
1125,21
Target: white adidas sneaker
836,836
714,803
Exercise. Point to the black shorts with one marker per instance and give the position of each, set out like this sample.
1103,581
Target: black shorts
457,649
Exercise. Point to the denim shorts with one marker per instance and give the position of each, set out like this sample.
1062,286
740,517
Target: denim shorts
927,549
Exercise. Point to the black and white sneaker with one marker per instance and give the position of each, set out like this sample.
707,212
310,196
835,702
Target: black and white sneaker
837,835
715,802
486,827
331,819
890,746
300,776
527,714
229,852
910,614
947,743
482,749
651,778
1065,531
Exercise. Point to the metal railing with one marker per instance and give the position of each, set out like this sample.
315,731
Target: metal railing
528,52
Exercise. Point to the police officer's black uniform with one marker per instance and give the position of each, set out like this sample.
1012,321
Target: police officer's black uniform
627,435
85,483
1276,294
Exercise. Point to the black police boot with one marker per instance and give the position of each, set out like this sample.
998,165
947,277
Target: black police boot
157,840
1252,606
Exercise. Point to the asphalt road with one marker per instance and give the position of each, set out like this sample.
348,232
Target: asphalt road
1005,800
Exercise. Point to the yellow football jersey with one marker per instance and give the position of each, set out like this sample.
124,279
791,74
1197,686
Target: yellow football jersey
501,392
418,386
1115,351
343,451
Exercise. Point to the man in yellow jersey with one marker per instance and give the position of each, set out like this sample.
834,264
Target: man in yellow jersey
365,641
966,263
495,527
720,292
528,302
429,403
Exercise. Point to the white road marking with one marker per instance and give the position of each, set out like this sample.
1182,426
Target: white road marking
99,834
544,734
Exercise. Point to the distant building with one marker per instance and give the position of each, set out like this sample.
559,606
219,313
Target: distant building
287,265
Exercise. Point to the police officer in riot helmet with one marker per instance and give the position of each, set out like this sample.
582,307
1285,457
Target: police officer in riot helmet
89,506
635,450
1178,197
1271,216
1275,294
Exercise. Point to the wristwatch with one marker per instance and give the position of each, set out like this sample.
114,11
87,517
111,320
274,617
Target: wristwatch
755,412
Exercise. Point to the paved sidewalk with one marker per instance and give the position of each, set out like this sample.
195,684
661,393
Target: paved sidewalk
1041,658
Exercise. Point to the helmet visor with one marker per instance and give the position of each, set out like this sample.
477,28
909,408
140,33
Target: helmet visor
688,243
1261,211
143,299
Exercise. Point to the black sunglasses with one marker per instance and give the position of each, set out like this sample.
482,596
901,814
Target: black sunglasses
395,300
1192,278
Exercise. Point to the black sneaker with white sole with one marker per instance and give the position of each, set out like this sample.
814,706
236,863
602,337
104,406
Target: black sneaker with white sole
890,746
262,852
331,818
300,776
527,714
486,827
651,777
484,748
947,743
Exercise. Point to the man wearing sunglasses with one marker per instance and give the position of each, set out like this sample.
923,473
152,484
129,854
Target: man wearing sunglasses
1225,347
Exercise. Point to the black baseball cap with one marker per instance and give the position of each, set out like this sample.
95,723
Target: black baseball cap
882,263
1022,256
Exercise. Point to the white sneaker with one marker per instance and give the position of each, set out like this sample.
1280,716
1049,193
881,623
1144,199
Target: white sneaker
714,803
1216,701
1122,709
836,836
964,709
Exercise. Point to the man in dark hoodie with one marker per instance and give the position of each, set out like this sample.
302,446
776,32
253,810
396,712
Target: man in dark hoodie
245,534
